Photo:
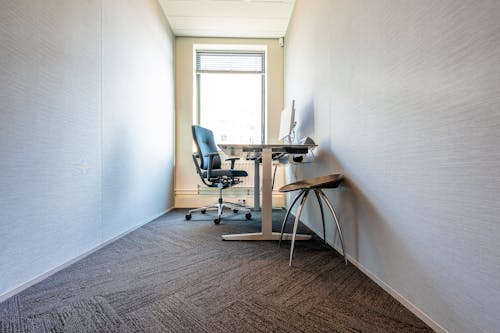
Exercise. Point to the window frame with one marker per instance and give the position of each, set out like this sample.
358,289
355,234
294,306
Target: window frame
259,50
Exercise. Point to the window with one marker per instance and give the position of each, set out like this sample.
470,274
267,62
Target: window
230,94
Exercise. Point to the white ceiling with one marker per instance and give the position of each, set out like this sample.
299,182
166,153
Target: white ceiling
228,18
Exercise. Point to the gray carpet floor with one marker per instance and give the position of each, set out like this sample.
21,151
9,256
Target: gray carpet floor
177,276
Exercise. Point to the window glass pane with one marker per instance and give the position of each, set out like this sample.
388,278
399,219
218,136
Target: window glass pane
231,106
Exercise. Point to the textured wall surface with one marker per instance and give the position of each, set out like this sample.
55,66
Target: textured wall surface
403,97
138,117
86,128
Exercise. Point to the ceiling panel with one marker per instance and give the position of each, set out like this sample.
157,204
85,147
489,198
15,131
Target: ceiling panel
228,18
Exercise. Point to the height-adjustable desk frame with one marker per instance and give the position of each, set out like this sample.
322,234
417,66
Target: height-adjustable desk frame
266,150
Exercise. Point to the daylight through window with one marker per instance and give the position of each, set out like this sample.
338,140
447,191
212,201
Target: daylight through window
230,94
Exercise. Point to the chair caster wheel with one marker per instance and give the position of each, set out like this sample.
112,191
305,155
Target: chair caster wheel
203,211
217,221
248,216
235,211
188,217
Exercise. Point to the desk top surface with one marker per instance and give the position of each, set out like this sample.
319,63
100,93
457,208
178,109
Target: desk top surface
238,149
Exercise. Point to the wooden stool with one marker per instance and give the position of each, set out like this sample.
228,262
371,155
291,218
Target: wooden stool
316,185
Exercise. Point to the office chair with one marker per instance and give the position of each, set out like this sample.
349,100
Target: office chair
211,174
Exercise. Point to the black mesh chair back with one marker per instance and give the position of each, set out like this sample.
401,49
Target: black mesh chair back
205,144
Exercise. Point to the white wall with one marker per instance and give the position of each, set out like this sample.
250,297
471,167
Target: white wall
86,128
139,116
403,98
186,179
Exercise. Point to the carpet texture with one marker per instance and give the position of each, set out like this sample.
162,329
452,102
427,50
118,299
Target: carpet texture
173,275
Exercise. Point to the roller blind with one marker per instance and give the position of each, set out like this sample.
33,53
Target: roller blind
230,62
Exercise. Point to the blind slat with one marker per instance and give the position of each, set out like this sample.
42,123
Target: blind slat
224,61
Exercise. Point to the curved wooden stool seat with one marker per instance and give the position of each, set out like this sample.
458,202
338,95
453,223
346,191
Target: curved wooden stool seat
316,185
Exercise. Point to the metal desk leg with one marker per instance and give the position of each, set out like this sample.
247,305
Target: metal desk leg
267,192
256,185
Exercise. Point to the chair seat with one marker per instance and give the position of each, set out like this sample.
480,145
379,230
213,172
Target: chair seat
330,181
225,172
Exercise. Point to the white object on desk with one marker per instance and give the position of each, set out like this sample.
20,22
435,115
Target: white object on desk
267,191
287,124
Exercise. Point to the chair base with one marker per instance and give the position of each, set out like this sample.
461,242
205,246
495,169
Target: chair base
219,207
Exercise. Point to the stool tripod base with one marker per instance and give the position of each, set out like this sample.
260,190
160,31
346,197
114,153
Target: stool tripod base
320,196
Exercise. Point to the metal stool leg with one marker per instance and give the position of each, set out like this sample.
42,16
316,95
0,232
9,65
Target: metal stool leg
296,225
329,204
322,215
287,214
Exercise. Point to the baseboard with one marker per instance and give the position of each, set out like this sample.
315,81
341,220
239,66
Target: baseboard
394,293
68,263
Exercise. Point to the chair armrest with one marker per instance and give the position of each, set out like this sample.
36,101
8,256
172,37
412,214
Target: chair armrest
232,159
211,158
198,169
196,164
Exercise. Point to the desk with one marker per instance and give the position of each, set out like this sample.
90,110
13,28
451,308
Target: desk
267,192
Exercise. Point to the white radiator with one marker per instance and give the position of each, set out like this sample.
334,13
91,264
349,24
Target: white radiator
246,183
247,166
